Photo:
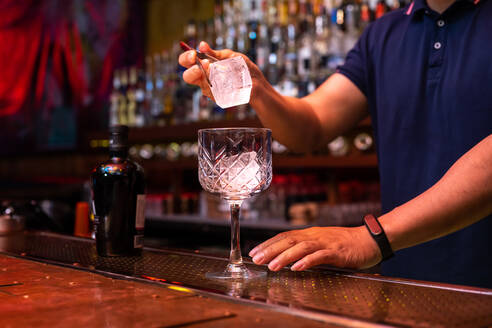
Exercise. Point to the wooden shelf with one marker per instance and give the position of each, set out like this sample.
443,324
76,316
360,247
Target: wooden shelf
80,165
184,132
279,161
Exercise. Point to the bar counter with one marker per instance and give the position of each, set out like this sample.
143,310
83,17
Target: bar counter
54,280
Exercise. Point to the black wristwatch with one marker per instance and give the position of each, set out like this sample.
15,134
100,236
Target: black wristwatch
377,232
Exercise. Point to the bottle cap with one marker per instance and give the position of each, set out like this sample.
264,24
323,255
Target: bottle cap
118,137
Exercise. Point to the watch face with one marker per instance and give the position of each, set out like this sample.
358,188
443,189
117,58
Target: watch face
373,224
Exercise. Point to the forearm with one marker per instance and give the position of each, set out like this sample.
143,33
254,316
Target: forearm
461,197
292,120
311,122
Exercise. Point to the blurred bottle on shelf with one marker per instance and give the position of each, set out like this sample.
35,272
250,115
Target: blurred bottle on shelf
278,148
167,204
304,199
146,151
297,199
381,9
359,142
339,146
157,106
173,151
123,103
114,100
140,115
364,142
131,97
275,195
170,152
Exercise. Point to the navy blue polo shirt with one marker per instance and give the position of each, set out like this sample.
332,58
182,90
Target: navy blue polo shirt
428,82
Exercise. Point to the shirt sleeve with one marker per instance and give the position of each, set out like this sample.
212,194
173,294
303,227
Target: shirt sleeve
356,63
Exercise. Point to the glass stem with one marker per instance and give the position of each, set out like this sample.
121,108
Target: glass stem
235,257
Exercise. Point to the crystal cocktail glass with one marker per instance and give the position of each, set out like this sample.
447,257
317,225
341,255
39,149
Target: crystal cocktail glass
235,163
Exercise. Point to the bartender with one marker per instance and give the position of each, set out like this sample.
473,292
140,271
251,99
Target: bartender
424,75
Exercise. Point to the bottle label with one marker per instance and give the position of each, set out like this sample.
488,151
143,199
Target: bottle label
140,218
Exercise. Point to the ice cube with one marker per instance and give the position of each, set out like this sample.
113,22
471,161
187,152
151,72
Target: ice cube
239,173
231,82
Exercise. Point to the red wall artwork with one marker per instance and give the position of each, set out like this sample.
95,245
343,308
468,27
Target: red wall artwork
56,63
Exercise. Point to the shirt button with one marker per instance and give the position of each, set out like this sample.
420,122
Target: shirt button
437,45
440,23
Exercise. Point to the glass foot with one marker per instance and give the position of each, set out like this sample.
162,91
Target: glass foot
236,272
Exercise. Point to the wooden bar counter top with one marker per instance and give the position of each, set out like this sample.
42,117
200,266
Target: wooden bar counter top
43,295
50,280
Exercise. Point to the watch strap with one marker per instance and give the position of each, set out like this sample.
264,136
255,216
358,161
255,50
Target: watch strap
376,230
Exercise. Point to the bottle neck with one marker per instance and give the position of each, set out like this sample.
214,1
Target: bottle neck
121,153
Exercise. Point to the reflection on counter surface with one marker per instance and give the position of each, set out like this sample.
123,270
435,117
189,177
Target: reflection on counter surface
34,294
328,294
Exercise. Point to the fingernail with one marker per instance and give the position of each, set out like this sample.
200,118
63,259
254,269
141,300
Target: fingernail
252,252
297,266
191,56
258,258
273,265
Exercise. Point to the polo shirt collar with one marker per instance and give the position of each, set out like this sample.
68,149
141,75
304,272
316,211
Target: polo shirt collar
419,6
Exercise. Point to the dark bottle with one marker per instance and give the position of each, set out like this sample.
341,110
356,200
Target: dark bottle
118,191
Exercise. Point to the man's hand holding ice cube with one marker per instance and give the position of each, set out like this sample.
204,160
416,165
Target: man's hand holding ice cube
302,124
193,75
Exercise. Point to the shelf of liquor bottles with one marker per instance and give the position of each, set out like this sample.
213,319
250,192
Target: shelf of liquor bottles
174,147
292,201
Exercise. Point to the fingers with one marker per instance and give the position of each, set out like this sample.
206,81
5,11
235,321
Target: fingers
219,54
187,58
204,47
323,256
275,247
294,253
266,243
206,89
193,75
205,64
340,247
